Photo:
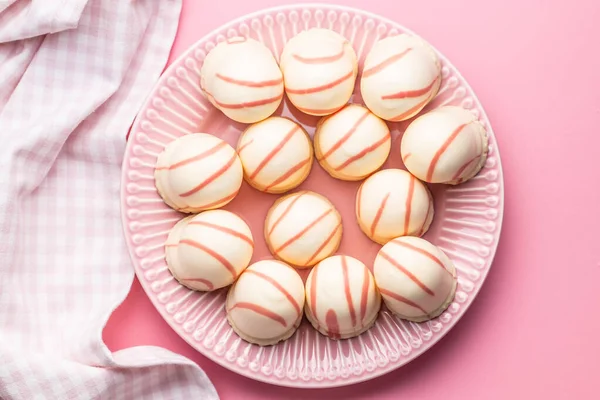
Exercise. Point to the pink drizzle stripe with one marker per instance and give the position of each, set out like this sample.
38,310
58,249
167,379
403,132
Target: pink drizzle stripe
379,214
303,231
441,150
410,93
285,211
402,299
212,253
260,310
346,136
385,63
319,60
252,84
406,272
211,178
347,291
421,251
205,282
278,286
321,88
195,158
274,152
224,229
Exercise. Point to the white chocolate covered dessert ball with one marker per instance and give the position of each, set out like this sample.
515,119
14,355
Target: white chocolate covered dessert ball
209,251
352,143
416,279
198,172
265,304
446,145
303,228
392,203
319,71
401,75
342,300
276,155
241,78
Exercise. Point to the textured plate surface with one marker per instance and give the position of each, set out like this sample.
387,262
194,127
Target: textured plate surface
466,225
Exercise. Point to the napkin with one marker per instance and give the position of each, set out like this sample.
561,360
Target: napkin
73,74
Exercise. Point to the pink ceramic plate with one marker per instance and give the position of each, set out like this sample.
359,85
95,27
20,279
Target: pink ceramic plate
466,226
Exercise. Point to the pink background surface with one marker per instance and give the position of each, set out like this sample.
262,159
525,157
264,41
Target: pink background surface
533,331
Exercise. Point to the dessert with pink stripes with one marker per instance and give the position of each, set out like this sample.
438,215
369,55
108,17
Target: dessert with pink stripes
352,143
209,250
276,154
303,228
265,304
342,300
401,74
319,71
198,172
392,203
240,77
416,279
447,145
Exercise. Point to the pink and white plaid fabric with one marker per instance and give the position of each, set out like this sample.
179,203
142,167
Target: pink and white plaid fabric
73,74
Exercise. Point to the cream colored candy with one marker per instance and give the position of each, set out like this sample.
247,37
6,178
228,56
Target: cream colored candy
352,143
401,75
276,154
416,279
265,304
446,145
342,300
198,172
303,228
241,78
392,203
209,251
319,70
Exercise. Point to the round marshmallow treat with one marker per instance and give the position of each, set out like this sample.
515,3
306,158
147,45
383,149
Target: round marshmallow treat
446,145
392,203
276,154
352,143
416,279
319,71
401,75
342,300
241,78
303,228
198,172
214,247
264,306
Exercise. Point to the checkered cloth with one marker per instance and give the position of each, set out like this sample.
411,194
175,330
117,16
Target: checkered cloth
73,73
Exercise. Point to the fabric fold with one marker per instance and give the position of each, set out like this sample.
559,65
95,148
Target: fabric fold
67,101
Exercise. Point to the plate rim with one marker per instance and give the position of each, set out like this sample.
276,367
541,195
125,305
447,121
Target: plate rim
311,384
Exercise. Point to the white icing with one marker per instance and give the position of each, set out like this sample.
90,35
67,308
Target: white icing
454,133
415,68
367,132
208,246
394,184
242,71
289,147
306,212
319,58
335,287
418,287
177,179
283,314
